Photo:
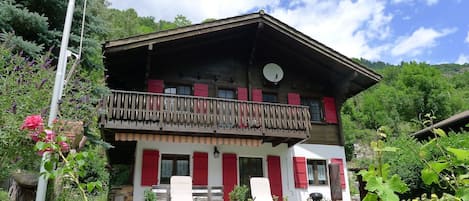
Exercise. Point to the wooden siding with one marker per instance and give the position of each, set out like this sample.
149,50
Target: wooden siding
324,134
204,116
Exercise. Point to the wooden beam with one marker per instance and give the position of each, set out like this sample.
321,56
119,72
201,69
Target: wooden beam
148,65
116,46
252,57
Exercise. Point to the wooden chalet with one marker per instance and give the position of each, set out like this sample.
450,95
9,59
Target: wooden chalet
226,100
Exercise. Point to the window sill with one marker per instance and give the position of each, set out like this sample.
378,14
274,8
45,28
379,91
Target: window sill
318,122
318,185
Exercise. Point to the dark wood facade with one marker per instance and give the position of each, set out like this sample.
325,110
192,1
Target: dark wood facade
229,54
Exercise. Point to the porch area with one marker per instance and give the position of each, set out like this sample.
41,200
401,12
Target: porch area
205,116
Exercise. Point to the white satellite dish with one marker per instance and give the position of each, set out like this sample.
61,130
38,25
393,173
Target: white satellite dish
273,72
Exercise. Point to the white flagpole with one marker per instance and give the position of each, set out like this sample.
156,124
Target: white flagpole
57,94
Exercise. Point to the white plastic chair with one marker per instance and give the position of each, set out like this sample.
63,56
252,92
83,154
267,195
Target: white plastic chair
181,188
260,189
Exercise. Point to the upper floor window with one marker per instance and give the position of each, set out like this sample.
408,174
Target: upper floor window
226,93
315,108
269,97
317,173
180,90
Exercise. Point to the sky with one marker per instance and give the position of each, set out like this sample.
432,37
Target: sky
431,31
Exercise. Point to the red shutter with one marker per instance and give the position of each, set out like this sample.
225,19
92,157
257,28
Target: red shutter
294,99
242,93
330,110
230,174
341,165
155,86
150,167
257,95
299,172
200,171
275,176
201,90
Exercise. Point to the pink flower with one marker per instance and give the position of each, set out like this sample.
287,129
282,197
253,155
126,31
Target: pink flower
64,146
32,122
34,136
50,135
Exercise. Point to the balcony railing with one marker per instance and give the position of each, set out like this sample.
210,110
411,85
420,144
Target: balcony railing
204,115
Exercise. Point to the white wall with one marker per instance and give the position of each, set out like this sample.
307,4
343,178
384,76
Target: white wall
313,151
215,164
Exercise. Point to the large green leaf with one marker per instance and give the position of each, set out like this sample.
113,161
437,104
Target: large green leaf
461,155
397,185
429,176
370,197
438,166
463,193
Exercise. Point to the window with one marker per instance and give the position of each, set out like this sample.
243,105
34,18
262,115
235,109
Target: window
249,167
269,97
173,165
317,174
226,93
180,90
184,90
315,108
170,90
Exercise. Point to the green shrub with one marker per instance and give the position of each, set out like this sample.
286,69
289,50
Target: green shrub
239,193
3,195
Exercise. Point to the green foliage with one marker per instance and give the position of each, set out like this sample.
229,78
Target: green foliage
25,88
239,193
125,23
3,195
447,165
18,44
380,184
149,195
406,92
406,163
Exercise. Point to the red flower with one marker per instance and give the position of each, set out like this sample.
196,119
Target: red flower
64,146
50,135
34,136
32,122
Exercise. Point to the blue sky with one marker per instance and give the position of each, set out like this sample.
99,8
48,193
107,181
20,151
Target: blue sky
432,31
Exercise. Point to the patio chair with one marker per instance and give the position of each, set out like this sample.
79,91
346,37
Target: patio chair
260,189
181,188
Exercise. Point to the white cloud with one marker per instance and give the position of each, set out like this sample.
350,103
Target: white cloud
413,2
467,38
431,2
462,59
194,10
420,40
349,27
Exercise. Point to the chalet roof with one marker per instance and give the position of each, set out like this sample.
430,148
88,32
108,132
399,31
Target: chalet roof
455,122
361,76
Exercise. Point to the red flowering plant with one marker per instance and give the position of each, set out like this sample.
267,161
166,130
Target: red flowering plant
46,140
63,161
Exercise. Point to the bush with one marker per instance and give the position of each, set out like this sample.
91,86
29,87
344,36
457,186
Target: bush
3,195
406,163
239,193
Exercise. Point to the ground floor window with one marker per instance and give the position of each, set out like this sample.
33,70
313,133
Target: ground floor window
173,165
317,173
249,167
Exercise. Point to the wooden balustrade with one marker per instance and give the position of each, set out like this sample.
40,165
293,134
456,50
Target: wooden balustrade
190,114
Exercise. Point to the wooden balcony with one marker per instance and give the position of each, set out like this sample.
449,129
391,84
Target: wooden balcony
205,116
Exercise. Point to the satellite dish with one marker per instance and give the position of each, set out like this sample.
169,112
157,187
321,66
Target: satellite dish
273,72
